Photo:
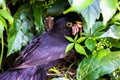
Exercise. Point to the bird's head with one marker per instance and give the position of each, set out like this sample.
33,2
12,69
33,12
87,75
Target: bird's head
66,27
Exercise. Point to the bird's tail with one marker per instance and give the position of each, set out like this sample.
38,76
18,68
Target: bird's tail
33,73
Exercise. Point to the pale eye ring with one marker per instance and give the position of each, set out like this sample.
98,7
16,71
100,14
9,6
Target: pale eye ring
69,24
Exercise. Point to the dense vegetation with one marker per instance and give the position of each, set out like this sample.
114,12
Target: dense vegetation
97,46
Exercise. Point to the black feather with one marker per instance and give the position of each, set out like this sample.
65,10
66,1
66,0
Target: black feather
42,53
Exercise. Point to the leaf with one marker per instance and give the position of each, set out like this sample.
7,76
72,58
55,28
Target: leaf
81,39
1,30
2,4
113,31
80,49
21,31
90,15
70,1
69,38
78,6
2,22
116,18
114,42
97,34
98,26
15,42
93,67
38,13
76,36
69,47
6,15
108,8
90,43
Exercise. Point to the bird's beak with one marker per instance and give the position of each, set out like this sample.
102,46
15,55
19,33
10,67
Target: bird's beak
76,27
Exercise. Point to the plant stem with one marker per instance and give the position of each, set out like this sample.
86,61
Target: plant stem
2,50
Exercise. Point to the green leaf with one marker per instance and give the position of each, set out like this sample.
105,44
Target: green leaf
78,5
76,36
69,47
81,39
70,1
108,8
90,15
114,42
69,38
21,31
38,13
90,43
113,31
93,67
2,4
1,30
2,22
15,42
116,18
80,49
6,15
97,34
98,26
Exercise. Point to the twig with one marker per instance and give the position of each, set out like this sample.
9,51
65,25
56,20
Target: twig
55,75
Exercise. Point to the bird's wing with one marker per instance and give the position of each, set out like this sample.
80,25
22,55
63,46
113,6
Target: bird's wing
41,50
43,54
27,50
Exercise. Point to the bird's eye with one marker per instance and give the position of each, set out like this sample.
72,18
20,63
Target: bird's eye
69,24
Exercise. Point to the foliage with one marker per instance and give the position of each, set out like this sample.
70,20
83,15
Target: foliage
99,34
26,24
75,43
78,5
18,31
22,30
103,62
99,41
4,15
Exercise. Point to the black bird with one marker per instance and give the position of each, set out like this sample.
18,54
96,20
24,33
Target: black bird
42,53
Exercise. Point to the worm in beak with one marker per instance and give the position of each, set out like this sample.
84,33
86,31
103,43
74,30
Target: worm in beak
77,28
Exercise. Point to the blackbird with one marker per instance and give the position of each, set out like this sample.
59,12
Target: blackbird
42,53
